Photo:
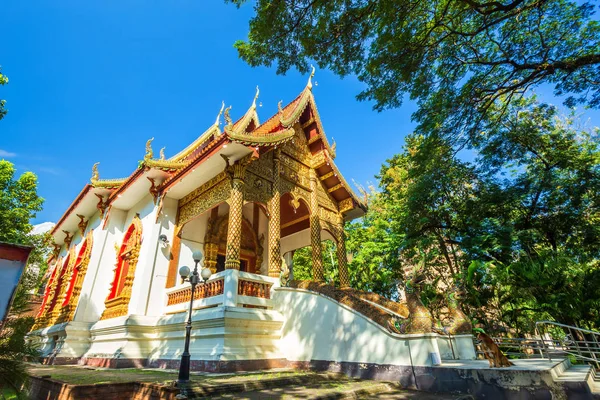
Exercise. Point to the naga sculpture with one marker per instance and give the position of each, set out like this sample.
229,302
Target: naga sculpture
284,276
419,318
459,322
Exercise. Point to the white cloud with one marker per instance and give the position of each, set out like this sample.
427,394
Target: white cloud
7,154
43,227
52,171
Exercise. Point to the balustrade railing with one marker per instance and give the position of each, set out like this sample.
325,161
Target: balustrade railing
254,289
209,289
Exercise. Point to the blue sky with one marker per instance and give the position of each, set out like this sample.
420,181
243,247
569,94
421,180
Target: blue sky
93,80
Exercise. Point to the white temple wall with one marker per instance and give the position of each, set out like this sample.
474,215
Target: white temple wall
145,265
99,236
102,262
156,295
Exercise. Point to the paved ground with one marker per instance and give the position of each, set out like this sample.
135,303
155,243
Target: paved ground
307,385
82,375
320,393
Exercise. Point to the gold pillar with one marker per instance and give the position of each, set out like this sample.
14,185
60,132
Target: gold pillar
234,227
341,254
275,219
315,229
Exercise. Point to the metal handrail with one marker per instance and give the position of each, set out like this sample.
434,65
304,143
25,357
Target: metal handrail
583,344
516,347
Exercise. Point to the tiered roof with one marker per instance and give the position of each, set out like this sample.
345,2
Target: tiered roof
246,131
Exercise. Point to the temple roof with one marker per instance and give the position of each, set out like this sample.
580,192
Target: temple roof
247,131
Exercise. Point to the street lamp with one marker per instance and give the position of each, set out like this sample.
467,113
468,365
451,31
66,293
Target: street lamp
194,279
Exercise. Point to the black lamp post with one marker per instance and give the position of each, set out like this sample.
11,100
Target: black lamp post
194,279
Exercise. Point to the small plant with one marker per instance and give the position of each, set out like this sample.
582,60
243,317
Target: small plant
14,352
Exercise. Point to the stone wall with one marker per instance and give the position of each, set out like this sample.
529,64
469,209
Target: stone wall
48,389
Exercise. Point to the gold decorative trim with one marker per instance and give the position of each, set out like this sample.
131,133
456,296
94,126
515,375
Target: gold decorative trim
119,305
67,312
82,224
334,188
102,204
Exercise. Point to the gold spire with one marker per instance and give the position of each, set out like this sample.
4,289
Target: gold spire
218,120
95,174
309,84
228,121
162,153
149,153
255,97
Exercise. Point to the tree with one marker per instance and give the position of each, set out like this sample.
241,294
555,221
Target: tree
3,81
544,262
19,203
517,228
462,60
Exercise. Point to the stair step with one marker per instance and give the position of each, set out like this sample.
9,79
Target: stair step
576,373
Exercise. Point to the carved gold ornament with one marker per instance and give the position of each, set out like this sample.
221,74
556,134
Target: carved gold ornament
128,252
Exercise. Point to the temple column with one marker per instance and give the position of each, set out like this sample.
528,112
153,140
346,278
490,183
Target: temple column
341,255
275,219
174,258
315,229
234,227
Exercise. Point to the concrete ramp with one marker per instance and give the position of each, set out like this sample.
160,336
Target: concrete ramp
319,329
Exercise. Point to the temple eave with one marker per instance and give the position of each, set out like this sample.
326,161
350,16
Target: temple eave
275,138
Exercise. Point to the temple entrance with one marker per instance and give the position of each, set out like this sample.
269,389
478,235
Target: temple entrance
215,245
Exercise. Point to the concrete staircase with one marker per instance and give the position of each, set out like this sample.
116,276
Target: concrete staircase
580,381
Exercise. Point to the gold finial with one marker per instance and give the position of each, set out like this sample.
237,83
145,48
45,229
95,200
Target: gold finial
95,175
162,153
309,84
255,97
280,108
227,117
149,153
333,145
217,121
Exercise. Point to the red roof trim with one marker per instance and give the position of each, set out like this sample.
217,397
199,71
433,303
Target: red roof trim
74,204
206,152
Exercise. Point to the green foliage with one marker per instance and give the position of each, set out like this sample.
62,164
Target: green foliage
463,61
14,350
303,262
3,81
19,203
518,228
373,253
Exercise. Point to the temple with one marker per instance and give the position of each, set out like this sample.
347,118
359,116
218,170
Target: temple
247,194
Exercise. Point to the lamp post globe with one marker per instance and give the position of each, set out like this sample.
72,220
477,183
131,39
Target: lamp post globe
184,271
197,256
205,274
